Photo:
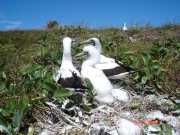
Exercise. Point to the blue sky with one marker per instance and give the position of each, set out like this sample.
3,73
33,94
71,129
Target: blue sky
31,14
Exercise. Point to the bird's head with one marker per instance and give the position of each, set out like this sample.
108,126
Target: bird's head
94,42
91,53
68,41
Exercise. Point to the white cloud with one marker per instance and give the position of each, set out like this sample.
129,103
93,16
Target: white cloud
11,24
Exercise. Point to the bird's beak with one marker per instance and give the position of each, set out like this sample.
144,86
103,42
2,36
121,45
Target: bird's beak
81,55
73,42
86,42
78,44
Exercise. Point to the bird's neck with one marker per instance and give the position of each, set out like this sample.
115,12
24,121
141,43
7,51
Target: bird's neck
67,58
89,62
67,53
98,47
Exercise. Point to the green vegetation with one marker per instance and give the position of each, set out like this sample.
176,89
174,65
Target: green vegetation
29,58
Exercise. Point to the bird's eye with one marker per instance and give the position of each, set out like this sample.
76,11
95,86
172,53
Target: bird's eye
92,42
86,54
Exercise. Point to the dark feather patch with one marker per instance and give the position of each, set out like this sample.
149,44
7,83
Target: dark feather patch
71,82
118,70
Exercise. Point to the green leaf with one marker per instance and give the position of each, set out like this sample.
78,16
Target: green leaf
147,72
37,75
129,53
144,79
158,85
62,93
90,88
166,129
2,86
19,112
49,86
23,103
28,84
5,129
4,75
156,68
2,119
146,58
136,62
12,89
17,120
28,69
137,76
178,45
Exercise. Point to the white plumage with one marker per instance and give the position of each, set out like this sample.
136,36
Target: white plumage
101,84
112,68
68,76
67,66
124,28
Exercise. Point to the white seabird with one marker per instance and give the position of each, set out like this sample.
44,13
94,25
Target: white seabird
124,28
112,68
103,87
68,76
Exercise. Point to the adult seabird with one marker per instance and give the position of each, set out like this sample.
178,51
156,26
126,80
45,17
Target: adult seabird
124,28
112,68
103,87
68,76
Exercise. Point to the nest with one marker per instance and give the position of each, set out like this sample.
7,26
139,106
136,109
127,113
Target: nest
53,119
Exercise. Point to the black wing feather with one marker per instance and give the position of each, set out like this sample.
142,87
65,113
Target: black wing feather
72,82
118,70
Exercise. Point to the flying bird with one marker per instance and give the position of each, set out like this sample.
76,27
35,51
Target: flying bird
112,68
101,84
67,75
